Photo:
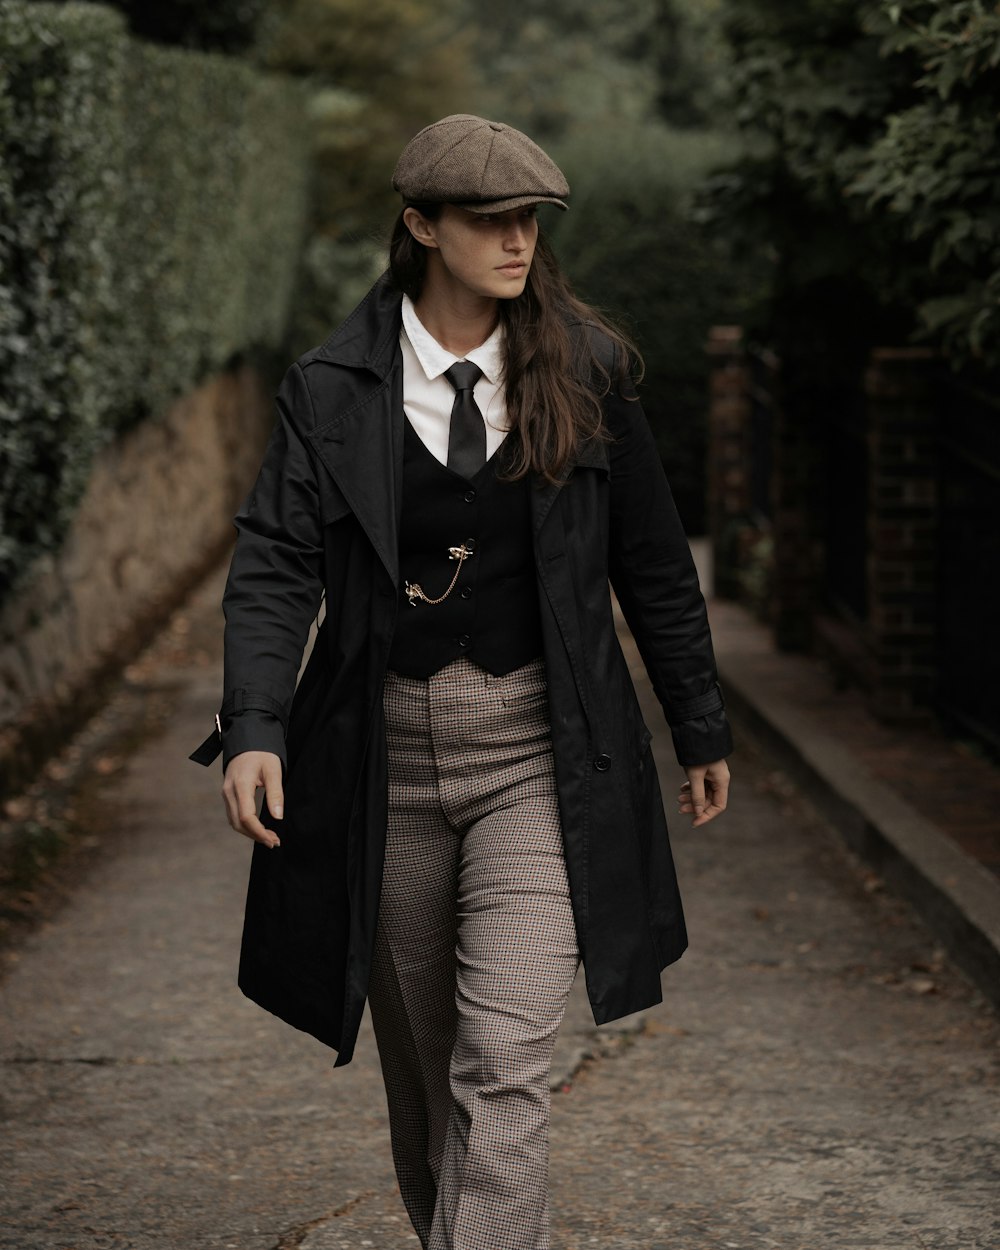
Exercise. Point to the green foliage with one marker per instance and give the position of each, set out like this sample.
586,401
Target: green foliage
632,246
142,242
376,72
691,62
560,68
221,26
869,168
936,167
557,67
627,96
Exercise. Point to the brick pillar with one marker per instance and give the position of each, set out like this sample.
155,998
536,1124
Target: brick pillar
728,458
794,498
903,524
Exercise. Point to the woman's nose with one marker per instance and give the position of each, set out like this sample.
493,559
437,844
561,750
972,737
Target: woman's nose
516,239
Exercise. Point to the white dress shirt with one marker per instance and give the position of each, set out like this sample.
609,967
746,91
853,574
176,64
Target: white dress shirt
428,396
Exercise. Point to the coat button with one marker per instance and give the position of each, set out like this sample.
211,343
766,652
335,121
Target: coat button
464,640
466,592
469,496
602,763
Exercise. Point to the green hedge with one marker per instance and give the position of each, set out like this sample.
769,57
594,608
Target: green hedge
152,208
218,26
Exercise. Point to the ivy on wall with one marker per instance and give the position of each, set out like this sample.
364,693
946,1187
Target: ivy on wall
152,208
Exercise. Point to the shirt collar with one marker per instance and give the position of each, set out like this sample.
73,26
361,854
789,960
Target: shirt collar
435,359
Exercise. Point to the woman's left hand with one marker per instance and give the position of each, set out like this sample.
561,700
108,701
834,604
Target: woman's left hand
705,792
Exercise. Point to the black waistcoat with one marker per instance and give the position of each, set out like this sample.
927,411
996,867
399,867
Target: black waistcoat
491,615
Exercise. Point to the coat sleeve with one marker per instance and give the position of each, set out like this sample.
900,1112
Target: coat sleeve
653,575
275,584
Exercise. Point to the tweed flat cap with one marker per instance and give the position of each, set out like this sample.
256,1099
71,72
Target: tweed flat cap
478,165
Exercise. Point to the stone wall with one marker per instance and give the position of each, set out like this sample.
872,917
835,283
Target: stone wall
157,514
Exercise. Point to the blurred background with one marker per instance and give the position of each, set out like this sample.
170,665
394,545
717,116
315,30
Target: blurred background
795,210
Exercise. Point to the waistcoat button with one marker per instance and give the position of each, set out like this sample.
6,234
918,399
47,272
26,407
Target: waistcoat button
466,592
469,496
602,763
464,640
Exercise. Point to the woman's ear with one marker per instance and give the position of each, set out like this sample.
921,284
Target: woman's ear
418,225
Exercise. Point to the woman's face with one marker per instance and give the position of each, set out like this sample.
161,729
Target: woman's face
487,254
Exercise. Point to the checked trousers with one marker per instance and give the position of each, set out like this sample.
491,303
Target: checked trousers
475,953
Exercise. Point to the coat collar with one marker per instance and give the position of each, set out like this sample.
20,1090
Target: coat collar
370,335
358,445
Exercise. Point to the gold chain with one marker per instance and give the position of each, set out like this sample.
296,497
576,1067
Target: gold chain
415,591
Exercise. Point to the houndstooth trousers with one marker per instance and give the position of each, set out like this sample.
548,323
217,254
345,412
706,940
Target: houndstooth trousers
475,953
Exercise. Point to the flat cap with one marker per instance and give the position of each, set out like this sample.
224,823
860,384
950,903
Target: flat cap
478,165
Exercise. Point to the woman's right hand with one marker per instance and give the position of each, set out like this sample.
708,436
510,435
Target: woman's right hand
247,773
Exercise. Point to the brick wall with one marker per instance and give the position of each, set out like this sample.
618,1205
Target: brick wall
888,644
903,523
728,454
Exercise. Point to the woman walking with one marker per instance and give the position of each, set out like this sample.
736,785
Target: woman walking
460,801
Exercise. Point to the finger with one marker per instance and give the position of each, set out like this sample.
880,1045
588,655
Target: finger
238,795
717,801
232,808
720,793
706,814
273,795
244,802
697,795
250,825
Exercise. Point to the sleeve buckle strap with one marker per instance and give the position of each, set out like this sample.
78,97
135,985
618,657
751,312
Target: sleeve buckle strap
210,749
688,709
238,702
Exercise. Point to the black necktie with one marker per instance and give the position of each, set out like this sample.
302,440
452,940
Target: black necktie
467,433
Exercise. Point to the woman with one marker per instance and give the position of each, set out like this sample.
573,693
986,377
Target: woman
463,785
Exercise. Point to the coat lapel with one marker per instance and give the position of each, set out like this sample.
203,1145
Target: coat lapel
363,452
362,446
593,454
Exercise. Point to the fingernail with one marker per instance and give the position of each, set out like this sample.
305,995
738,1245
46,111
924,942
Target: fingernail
278,812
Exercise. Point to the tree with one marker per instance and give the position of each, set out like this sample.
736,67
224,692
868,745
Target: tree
869,168
626,97
935,168
379,71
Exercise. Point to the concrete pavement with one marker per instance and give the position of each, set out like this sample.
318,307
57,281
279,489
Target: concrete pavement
921,809
819,1074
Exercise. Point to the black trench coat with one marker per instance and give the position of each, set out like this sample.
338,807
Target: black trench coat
322,518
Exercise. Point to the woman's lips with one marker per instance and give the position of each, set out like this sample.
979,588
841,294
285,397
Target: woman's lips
515,268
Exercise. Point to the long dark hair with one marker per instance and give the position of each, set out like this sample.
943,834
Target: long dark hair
561,356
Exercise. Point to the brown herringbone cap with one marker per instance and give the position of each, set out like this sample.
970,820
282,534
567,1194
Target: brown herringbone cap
482,166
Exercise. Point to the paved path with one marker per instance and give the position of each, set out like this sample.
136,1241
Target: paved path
817,1076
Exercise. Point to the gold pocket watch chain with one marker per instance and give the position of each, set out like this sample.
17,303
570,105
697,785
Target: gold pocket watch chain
415,591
